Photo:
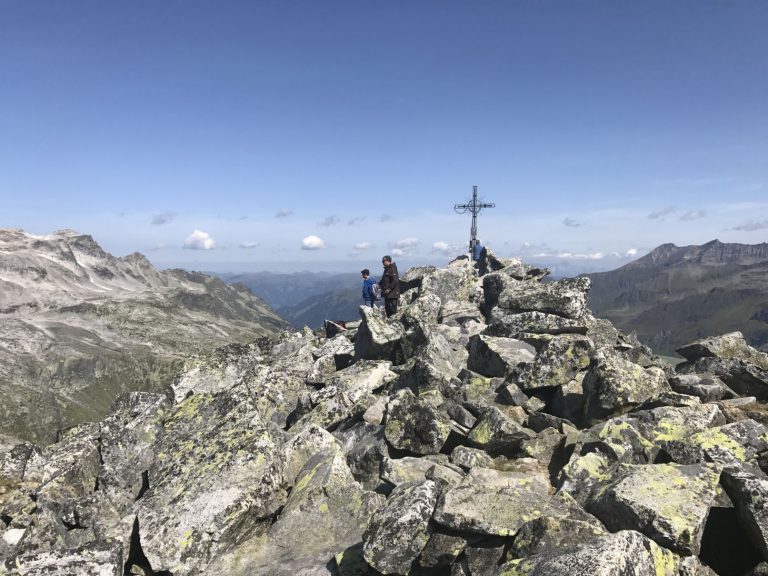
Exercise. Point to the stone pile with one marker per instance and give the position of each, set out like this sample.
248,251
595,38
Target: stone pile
492,427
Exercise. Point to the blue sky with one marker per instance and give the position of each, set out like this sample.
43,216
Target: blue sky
225,135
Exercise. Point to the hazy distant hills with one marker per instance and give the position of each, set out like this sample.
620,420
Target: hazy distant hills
78,326
674,295
306,298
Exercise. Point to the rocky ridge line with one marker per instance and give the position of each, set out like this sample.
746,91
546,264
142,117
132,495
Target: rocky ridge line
492,427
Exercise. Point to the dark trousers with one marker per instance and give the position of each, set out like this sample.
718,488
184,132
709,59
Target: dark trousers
390,306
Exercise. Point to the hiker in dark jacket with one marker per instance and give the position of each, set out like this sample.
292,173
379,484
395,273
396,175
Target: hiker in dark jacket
390,286
368,296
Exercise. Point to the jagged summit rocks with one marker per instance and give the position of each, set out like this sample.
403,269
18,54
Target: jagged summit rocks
79,326
492,427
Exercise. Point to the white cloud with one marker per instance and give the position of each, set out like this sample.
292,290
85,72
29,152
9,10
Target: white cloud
572,256
360,246
693,215
199,240
442,247
406,243
312,243
328,221
751,226
397,252
631,253
284,213
163,218
571,223
661,212
248,245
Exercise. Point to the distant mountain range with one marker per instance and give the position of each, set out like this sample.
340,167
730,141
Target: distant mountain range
674,295
78,326
306,298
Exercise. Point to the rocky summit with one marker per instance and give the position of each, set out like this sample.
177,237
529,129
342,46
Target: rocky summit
78,326
492,427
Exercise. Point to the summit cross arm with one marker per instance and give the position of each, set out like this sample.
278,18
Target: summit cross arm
474,208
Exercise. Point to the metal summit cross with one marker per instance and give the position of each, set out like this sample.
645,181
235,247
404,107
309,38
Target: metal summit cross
474,207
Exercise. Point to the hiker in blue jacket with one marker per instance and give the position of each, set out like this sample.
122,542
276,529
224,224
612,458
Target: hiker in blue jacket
368,296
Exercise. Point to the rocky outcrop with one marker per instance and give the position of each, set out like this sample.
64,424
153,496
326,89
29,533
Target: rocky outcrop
431,442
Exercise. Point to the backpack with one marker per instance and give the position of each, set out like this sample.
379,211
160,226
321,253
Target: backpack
375,292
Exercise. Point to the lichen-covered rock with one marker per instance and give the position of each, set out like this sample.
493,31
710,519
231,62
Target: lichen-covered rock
708,387
326,513
127,446
202,498
400,530
406,470
378,337
492,502
749,494
497,434
458,313
467,458
450,284
333,403
744,378
613,386
552,534
583,473
102,559
414,425
497,357
502,322
441,550
668,503
728,346
556,364
567,298
626,553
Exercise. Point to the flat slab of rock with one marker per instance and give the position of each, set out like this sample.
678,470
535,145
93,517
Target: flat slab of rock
567,298
497,434
497,357
399,531
502,322
668,503
493,503
625,553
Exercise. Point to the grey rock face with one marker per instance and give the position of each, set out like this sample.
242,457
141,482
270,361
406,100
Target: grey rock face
399,531
497,357
492,502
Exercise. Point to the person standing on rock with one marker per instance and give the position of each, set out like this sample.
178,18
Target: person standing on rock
390,286
368,296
